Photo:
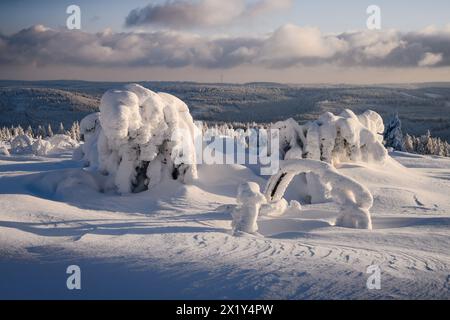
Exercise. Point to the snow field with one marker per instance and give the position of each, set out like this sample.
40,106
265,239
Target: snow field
141,225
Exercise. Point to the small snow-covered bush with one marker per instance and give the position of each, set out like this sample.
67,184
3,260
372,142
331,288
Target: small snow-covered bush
334,139
41,147
22,144
4,151
89,125
54,144
142,138
62,142
89,130
249,201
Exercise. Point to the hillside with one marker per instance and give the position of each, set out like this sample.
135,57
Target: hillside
39,106
421,107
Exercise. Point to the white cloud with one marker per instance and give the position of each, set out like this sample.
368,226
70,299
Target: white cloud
287,46
375,44
430,59
291,43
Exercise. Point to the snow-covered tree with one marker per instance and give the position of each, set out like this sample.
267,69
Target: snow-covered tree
49,130
5,134
22,144
75,131
426,144
334,139
408,143
18,131
4,151
144,138
393,135
249,200
354,199
29,132
41,132
41,147
61,129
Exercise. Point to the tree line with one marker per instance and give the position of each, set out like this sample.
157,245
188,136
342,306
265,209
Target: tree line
425,144
9,133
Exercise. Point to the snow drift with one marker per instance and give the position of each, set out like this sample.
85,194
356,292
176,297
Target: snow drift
140,138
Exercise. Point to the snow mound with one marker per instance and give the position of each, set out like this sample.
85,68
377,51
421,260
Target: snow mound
140,138
334,139
354,199
280,207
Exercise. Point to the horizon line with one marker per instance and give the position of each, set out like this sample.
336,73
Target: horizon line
234,83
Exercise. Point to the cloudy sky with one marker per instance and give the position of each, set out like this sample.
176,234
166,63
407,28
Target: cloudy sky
291,41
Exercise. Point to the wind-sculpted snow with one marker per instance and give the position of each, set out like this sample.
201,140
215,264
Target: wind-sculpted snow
334,139
355,199
144,137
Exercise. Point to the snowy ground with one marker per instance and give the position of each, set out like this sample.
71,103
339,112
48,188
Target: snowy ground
175,241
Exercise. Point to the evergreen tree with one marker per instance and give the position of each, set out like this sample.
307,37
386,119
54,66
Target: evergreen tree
41,132
408,144
75,131
393,135
49,130
20,131
29,132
